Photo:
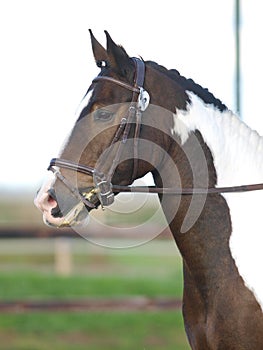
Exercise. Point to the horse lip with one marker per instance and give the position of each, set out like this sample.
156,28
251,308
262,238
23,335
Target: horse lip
57,223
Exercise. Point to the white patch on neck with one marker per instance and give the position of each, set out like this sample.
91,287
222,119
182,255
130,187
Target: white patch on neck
238,159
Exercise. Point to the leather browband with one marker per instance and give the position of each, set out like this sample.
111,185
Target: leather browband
118,82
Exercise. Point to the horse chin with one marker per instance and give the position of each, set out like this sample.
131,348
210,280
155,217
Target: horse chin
77,216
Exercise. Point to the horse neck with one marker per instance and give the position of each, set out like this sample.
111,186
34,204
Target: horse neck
236,153
196,221
201,234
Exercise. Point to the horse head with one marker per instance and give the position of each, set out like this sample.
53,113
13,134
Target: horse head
117,138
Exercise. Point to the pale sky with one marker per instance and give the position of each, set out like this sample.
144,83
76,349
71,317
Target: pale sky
47,64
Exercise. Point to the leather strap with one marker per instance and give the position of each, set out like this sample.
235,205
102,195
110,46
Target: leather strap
139,72
68,164
187,191
133,117
152,189
138,78
118,82
138,82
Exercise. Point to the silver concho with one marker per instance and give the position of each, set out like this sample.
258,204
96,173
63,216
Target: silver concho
143,100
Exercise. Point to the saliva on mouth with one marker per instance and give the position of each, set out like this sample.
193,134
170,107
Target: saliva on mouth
78,216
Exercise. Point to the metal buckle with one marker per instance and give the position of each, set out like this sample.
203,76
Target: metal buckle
104,193
103,189
143,100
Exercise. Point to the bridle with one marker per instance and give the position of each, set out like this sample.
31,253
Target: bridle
104,190
103,187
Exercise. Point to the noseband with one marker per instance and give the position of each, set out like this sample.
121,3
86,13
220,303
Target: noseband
104,190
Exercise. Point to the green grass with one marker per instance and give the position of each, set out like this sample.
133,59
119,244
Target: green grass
47,286
64,331
27,272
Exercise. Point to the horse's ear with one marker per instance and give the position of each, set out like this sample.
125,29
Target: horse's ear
118,58
99,53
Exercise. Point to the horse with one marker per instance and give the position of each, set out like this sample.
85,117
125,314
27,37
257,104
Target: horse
139,117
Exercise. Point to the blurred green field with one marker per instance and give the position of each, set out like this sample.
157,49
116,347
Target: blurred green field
153,269
94,331
28,272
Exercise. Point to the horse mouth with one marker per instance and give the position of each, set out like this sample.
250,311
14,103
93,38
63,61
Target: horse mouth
76,216
58,213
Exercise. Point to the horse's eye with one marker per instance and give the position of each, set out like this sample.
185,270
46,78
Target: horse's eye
103,115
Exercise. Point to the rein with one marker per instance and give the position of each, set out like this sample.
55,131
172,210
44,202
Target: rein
104,190
153,189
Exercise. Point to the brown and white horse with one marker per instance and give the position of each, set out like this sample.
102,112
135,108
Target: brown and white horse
187,139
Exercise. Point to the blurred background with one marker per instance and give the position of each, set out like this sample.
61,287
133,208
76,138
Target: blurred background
58,290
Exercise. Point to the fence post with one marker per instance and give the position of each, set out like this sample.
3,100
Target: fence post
63,257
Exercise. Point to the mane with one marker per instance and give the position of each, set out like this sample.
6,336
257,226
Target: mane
190,85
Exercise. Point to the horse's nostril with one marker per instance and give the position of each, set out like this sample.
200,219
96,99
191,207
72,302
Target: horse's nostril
56,212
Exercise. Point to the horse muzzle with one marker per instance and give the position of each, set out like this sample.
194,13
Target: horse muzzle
79,213
57,213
